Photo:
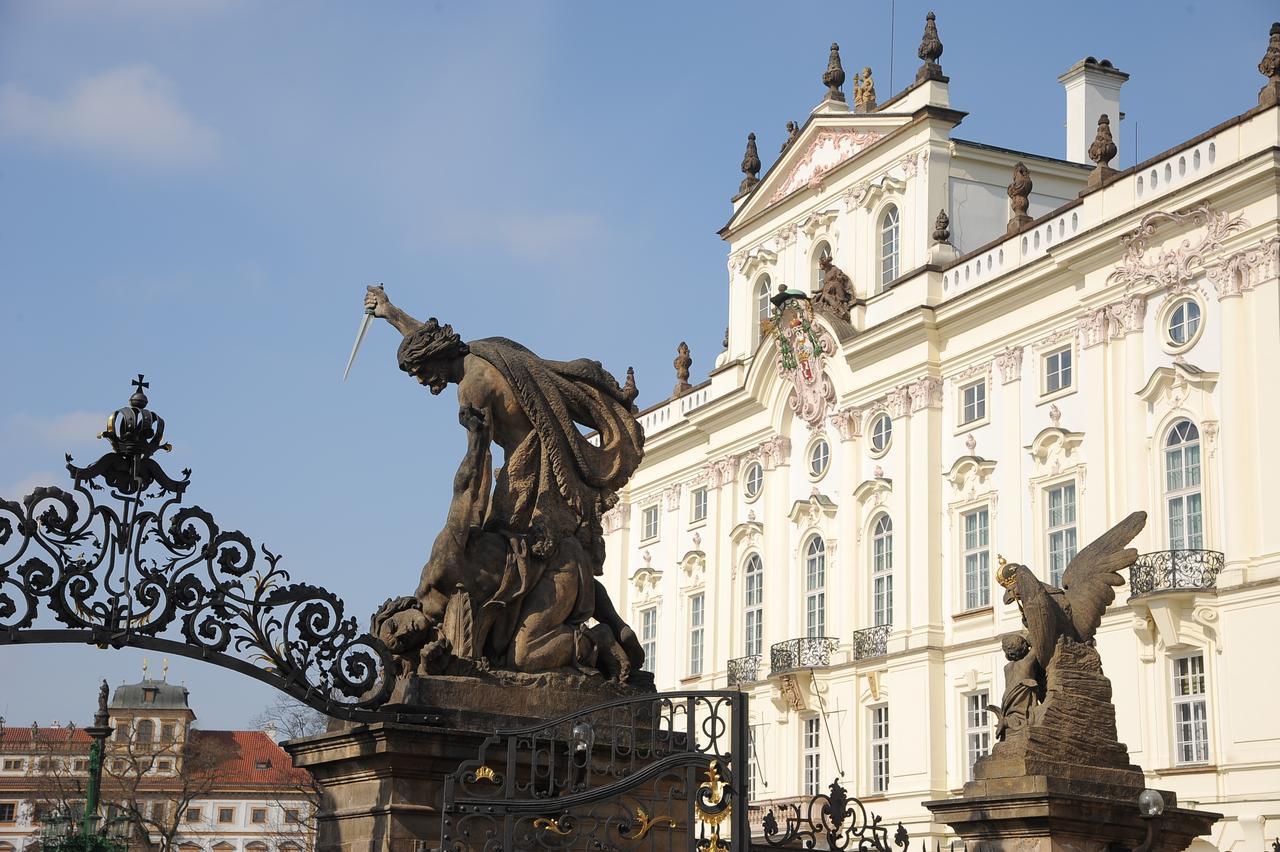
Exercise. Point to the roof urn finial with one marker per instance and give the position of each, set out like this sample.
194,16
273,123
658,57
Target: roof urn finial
1019,195
930,51
941,228
750,166
833,78
682,363
1270,68
1102,151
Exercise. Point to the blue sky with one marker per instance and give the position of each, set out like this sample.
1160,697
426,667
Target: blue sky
200,190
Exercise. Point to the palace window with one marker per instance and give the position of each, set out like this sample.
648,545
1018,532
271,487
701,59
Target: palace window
1182,499
753,480
881,434
649,523
1183,323
819,458
696,616
292,816
973,402
146,731
80,764
879,748
977,559
882,571
14,764
888,247
764,308
258,816
649,636
167,730
819,276
752,769
812,756
226,814
122,732
1061,527
753,588
164,765
192,815
1190,710
977,728
8,811
815,588
698,505
1057,370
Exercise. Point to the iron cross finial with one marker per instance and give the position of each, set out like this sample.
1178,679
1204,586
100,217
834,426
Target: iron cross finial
139,383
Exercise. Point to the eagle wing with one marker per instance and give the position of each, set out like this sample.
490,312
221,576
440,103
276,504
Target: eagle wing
1090,580
1040,614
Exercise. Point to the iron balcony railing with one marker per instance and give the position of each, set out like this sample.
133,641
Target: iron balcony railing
744,670
809,652
1167,570
871,642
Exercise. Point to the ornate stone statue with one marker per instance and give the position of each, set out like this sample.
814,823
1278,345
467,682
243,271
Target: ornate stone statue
511,579
1019,198
833,77
750,166
836,296
1056,711
1269,67
864,91
930,51
793,130
941,228
682,363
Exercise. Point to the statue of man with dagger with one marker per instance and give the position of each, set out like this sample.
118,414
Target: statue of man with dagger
526,545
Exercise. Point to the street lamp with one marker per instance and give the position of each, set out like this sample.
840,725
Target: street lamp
1150,808
60,831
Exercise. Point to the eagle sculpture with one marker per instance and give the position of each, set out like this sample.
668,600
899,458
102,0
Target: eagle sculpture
1051,615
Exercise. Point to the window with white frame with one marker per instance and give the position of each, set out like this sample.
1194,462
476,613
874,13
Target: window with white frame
698,505
882,571
696,617
888,246
753,599
649,636
977,558
881,434
1190,710
649,523
973,402
752,769
819,275
815,587
1057,370
819,458
1183,323
977,729
879,748
812,756
1060,526
764,307
753,480
1182,498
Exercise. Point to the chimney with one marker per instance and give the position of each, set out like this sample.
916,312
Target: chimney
1093,88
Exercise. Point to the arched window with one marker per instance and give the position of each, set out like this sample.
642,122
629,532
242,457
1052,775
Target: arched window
1182,499
815,588
146,731
882,571
764,308
823,252
889,244
753,600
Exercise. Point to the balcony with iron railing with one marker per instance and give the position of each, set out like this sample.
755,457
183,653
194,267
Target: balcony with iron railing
871,642
808,652
744,670
1175,570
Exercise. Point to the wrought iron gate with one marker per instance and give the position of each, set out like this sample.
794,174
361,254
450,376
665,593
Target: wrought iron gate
656,772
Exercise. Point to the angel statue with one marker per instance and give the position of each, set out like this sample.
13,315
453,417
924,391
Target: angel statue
1055,691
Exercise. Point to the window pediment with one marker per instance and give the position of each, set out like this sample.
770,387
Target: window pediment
968,473
1174,384
1054,444
873,491
810,511
748,531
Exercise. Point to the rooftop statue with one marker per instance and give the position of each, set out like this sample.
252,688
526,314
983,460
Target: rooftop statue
511,580
1056,711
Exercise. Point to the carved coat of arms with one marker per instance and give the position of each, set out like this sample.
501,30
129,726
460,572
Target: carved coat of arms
803,348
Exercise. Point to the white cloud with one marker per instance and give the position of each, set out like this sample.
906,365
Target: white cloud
130,114
59,431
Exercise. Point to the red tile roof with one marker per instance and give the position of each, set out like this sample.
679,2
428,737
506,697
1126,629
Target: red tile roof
247,751
12,739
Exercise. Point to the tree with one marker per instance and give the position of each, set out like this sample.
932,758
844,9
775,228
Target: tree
285,719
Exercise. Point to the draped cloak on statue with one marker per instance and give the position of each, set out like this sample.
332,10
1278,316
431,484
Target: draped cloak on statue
556,483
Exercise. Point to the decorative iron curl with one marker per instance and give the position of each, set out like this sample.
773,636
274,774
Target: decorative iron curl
833,820
142,570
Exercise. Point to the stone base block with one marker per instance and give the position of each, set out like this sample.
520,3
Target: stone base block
1043,814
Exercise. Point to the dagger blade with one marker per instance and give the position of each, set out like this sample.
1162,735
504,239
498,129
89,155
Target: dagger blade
364,328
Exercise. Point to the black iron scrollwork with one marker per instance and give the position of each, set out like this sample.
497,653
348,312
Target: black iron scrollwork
1175,569
744,670
809,652
653,772
833,820
143,570
871,642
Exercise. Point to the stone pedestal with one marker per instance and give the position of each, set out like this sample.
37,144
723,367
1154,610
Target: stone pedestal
1037,813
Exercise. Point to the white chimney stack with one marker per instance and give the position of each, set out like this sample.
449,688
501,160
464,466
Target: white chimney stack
1093,88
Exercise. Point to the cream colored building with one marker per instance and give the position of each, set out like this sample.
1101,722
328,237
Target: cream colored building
1003,393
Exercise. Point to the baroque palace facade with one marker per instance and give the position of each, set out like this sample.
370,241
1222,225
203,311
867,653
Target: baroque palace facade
818,523
243,796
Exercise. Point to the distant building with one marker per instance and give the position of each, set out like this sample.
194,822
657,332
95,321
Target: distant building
818,523
218,791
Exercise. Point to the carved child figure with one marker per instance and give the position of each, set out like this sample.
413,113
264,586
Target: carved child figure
1023,686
